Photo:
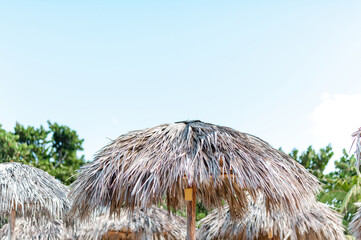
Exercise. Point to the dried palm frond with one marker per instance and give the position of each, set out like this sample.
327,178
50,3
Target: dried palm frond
33,192
355,224
142,167
153,223
52,230
317,222
357,140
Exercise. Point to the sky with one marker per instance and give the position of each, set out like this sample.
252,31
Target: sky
287,72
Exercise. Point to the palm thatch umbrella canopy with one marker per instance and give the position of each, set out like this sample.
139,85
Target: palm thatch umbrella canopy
357,141
153,223
355,224
30,192
318,222
52,230
185,159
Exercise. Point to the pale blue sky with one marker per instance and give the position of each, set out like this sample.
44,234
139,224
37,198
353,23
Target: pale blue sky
107,67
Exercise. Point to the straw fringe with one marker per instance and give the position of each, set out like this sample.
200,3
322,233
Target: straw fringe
318,222
154,223
357,140
355,224
141,167
25,230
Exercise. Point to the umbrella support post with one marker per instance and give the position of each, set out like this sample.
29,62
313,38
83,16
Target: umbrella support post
11,221
191,215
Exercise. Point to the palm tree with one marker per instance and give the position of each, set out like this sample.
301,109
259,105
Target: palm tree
343,187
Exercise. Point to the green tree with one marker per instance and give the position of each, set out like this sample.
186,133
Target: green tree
65,143
10,149
343,188
36,141
54,150
313,161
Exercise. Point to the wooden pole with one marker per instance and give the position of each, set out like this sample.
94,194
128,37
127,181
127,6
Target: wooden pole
11,235
270,234
191,216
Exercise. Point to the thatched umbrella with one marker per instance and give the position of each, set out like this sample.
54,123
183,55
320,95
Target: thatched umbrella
185,159
153,223
317,222
357,141
52,230
30,192
355,224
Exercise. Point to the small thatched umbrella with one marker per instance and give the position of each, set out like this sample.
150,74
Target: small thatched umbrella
357,140
318,222
355,224
30,192
153,223
52,230
183,159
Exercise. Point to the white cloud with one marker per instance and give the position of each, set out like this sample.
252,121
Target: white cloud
335,119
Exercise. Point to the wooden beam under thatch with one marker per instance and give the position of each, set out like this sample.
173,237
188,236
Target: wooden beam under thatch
141,167
317,222
30,229
153,223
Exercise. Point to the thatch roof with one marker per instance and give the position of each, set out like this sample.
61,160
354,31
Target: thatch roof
355,224
153,223
318,222
52,230
32,191
141,167
357,140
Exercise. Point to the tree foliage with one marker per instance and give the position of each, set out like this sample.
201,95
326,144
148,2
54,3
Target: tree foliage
315,162
10,149
341,187
53,150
